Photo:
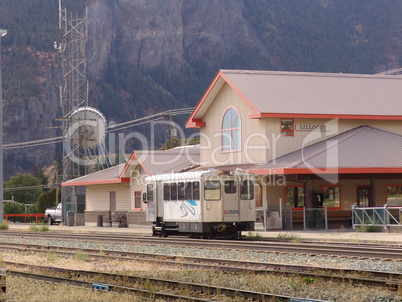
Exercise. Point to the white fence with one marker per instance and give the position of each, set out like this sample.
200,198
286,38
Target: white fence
377,216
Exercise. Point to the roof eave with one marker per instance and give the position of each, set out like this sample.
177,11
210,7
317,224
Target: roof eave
320,171
95,182
195,119
259,115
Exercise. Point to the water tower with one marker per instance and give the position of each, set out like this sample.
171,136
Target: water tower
84,127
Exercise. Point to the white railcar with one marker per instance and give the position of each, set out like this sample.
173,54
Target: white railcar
204,203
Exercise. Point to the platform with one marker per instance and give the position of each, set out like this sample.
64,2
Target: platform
345,235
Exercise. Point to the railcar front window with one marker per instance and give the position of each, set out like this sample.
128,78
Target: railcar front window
247,190
212,190
230,186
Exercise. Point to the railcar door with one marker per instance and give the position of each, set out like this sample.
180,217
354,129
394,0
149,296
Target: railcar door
230,199
151,201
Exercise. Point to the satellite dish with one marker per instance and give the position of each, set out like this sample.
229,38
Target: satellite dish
88,127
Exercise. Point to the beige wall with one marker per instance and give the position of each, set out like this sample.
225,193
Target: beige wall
137,181
211,154
97,197
261,139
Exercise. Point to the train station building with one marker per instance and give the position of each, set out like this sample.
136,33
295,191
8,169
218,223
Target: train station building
117,191
316,140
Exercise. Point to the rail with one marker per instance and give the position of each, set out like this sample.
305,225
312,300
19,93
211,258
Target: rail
385,216
36,216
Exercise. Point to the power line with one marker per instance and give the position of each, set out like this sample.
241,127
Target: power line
112,128
31,187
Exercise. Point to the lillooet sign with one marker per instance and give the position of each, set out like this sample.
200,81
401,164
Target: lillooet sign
312,127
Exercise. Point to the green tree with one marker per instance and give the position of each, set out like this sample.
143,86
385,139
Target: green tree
175,142
14,208
47,200
38,173
21,188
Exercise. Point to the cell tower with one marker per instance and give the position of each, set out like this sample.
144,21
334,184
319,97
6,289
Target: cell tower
84,127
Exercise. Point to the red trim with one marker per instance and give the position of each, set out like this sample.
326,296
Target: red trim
196,123
132,157
191,121
95,182
290,171
325,116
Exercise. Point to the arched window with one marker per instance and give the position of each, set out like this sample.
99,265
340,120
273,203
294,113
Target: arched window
230,130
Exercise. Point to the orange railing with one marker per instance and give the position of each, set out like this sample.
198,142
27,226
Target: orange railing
36,216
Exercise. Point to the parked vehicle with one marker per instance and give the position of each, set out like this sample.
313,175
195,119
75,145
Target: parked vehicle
53,215
201,204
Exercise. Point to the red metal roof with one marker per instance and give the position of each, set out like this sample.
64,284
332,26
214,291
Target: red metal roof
361,150
151,161
106,176
308,95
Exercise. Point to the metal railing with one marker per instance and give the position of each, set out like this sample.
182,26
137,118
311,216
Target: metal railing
315,218
376,216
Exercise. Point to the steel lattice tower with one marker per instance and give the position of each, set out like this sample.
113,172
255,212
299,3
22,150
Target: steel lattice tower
73,95
74,89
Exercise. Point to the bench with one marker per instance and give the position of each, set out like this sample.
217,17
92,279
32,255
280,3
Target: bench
122,219
339,215
332,215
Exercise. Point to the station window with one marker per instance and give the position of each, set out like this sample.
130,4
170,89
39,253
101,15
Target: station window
246,190
212,190
394,195
332,196
137,200
287,127
230,129
294,196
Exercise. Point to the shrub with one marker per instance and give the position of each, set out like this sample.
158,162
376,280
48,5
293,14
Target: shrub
43,228
4,225
288,237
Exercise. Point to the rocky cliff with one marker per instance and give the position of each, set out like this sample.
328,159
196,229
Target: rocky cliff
146,56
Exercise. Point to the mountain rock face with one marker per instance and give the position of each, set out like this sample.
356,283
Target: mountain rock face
147,56
151,33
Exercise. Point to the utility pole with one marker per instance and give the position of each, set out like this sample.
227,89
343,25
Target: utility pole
170,130
2,34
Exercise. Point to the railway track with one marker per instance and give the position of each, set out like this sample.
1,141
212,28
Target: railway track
372,279
350,276
166,290
360,251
